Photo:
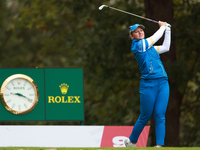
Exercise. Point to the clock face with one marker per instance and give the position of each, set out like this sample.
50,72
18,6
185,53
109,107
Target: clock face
19,94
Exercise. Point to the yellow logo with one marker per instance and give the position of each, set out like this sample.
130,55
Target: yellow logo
64,99
64,88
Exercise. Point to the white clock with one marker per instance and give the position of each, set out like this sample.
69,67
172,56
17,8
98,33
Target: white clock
19,94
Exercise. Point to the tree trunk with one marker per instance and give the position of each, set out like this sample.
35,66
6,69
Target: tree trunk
163,11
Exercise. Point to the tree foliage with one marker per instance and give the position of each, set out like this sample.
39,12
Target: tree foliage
66,33
187,42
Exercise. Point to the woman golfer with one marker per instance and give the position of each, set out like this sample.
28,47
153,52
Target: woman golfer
154,87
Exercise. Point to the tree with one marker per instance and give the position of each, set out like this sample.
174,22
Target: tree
163,10
187,41
179,77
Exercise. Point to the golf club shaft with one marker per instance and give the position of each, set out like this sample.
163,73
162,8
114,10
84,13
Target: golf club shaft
132,14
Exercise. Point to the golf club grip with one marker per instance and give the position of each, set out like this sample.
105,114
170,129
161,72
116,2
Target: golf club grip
151,20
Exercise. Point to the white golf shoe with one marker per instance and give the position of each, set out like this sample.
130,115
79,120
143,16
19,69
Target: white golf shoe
157,146
128,143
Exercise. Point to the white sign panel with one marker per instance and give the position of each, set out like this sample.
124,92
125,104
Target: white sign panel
68,136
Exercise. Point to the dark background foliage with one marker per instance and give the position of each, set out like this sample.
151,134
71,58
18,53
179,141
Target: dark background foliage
66,33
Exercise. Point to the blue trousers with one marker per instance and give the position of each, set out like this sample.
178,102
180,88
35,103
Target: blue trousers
154,96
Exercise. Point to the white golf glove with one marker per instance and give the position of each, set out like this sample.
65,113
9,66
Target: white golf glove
168,27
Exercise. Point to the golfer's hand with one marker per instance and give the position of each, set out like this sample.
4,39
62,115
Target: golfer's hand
160,23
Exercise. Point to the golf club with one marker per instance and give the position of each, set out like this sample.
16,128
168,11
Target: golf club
102,6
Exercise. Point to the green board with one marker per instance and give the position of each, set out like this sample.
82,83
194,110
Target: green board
38,112
64,94
61,94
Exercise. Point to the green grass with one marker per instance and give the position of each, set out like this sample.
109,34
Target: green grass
124,148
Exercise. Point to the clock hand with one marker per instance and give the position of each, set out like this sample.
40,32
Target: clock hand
19,94
13,93
16,94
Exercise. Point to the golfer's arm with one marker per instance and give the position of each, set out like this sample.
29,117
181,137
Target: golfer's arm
166,43
156,36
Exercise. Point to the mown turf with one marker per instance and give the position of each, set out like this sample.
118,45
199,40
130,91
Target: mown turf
123,148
